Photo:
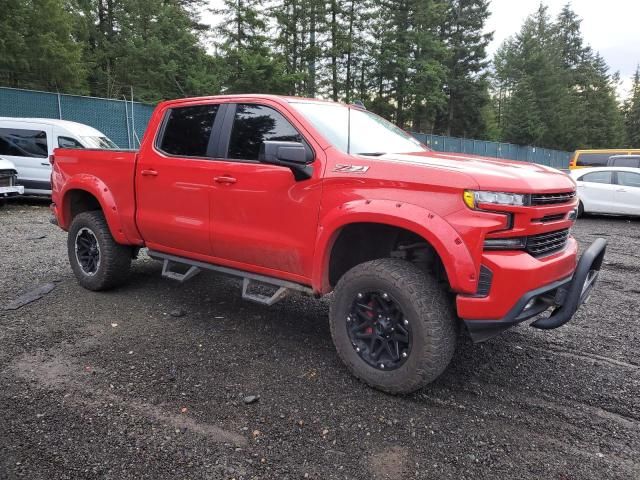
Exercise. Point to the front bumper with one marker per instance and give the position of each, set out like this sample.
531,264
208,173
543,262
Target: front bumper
564,296
11,191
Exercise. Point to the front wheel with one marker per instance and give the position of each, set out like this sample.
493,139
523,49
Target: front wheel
98,262
393,325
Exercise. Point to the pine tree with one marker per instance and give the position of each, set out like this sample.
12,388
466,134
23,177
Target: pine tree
523,119
632,113
466,63
38,48
250,63
570,85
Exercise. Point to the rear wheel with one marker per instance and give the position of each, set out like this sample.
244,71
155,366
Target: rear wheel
98,262
393,326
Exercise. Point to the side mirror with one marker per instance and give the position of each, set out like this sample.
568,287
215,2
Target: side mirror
293,155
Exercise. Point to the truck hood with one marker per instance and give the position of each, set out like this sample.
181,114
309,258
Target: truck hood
491,174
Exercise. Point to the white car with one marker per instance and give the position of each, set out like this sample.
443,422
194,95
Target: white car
8,181
28,143
611,190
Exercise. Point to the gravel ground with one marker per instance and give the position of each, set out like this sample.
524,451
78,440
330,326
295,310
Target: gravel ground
112,385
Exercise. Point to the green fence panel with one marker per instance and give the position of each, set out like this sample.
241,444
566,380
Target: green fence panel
29,104
117,119
507,151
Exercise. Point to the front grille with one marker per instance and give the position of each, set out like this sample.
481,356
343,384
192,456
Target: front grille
552,198
6,179
547,243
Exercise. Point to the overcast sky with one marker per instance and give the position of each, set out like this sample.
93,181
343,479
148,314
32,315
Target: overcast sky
612,27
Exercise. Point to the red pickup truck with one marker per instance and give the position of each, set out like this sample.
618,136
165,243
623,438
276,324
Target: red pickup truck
303,195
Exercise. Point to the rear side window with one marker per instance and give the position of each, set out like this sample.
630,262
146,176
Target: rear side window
187,131
254,124
23,143
594,159
68,142
625,162
597,177
629,179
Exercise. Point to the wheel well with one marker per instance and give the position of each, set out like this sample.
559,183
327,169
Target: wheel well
361,242
79,201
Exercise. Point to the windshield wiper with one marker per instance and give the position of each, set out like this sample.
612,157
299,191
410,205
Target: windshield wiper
372,154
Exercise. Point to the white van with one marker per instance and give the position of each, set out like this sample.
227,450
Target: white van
28,142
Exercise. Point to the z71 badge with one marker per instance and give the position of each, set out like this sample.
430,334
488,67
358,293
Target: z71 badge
350,168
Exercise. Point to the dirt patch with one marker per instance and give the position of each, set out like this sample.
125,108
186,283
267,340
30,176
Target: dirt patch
392,463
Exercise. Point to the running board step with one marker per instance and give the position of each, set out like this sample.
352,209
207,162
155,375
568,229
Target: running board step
191,272
182,269
260,298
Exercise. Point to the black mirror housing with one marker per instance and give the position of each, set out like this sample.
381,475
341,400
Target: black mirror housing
294,155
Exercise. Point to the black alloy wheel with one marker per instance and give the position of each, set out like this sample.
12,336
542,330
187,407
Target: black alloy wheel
87,251
379,331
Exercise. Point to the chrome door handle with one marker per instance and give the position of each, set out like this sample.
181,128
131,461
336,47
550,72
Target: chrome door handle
621,190
149,173
225,179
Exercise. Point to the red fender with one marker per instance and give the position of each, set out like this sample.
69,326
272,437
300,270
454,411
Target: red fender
458,262
123,231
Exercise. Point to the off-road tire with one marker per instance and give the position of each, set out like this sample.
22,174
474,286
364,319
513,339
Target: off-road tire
115,259
423,301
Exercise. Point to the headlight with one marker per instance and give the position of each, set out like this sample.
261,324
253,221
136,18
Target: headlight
473,198
516,243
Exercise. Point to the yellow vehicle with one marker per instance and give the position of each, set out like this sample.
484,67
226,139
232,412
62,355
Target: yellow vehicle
597,158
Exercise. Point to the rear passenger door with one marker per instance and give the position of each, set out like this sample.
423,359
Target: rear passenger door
174,182
262,218
28,146
627,194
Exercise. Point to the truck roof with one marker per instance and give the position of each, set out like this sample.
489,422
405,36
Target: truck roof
249,96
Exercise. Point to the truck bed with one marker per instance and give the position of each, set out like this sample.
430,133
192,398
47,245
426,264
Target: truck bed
109,174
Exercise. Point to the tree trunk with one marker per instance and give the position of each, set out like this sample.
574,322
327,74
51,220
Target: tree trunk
334,47
350,51
311,86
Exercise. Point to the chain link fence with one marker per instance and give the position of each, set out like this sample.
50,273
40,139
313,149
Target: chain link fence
507,151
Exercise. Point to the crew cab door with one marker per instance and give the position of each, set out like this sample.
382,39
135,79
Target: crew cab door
262,218
174,181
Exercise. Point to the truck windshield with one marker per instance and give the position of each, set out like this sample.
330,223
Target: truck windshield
369,133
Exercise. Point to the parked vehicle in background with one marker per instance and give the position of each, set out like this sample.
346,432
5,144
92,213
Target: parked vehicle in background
597,158
609,190
28,143
632,161
302,195
8,181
